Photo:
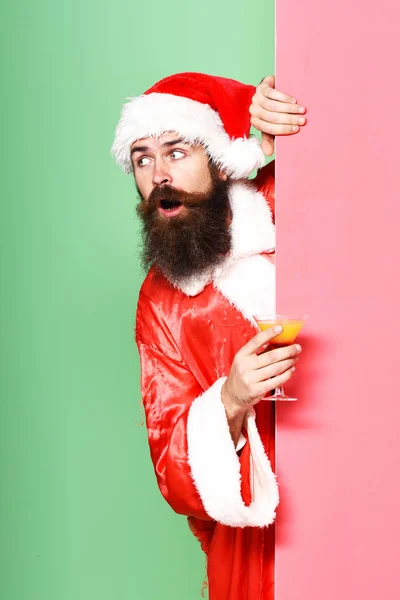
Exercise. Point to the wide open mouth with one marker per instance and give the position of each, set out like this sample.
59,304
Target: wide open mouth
170,204
169,208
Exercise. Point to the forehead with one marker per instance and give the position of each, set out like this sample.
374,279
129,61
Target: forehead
153,142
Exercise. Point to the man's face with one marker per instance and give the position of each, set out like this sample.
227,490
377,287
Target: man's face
166,160
185,206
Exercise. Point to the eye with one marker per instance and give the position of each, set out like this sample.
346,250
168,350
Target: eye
177,154
143,161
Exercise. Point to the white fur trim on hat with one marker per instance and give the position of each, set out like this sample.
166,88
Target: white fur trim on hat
154,114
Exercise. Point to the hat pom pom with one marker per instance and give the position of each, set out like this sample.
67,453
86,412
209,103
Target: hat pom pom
241,156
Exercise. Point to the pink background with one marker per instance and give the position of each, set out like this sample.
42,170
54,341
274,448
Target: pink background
338,251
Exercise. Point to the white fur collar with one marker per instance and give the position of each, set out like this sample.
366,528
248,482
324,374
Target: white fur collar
253,232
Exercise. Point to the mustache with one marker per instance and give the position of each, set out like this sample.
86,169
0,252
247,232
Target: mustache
171,194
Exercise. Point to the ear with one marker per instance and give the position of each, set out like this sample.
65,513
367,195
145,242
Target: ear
222,175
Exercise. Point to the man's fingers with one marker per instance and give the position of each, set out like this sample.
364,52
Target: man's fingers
274,382
277,117
269,92
259,100
277,355
259,340
275,369
274,128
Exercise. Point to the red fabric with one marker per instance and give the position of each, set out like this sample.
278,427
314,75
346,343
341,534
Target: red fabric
185,345
245,487
228,97
265,182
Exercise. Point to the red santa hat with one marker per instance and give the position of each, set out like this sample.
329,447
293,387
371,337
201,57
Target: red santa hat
201,108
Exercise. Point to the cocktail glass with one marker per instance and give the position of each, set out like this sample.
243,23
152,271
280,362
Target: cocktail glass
291,327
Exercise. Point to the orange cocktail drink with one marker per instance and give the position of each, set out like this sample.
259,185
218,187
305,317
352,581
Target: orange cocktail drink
291,327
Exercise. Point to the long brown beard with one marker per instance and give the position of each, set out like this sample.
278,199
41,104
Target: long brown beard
194,240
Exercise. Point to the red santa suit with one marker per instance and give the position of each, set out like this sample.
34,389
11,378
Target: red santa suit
188,335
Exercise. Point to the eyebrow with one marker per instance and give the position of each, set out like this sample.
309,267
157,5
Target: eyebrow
165,144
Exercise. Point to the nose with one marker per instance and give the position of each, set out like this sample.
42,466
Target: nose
161,174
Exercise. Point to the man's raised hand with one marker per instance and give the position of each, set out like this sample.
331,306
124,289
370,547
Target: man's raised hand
253,375
274,113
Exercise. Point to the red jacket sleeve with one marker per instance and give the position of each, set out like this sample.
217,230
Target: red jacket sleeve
168,389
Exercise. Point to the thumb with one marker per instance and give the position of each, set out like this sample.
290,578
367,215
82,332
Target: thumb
270,80
267,144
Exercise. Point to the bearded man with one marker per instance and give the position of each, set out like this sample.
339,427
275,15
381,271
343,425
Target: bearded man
208,244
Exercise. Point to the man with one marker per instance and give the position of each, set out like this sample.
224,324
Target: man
208,242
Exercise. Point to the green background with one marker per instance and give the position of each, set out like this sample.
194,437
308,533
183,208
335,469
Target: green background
81,515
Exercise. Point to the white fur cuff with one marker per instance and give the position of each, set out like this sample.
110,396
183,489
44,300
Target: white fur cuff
215,465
